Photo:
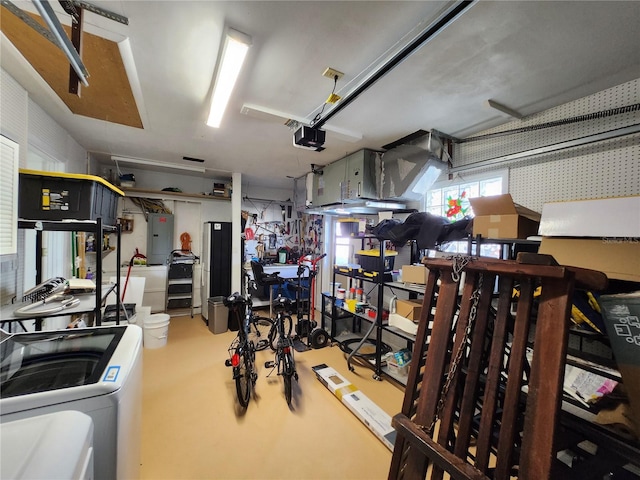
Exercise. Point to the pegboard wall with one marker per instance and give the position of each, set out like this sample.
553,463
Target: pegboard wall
602,169
608,169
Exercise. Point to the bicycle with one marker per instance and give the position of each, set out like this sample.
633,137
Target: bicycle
281,342
242,351
258,327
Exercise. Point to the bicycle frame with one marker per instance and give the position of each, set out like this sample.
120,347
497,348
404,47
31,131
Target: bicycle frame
284,361
242,351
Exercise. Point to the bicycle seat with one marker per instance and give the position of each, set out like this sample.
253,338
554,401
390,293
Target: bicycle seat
234,300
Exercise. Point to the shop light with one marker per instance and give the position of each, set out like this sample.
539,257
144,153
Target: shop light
236,45
154,163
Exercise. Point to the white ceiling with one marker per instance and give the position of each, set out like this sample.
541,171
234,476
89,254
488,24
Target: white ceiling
527,55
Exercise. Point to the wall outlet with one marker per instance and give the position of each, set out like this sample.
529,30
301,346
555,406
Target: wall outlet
332,73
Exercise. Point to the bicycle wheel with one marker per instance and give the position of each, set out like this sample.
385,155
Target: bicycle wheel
242,374
287,388
288,371
287,324
259,328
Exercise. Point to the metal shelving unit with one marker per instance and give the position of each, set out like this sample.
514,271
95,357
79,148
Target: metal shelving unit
332,313
180,281
93,226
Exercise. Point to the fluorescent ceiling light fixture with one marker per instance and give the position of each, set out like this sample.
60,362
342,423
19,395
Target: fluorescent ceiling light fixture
236,45
154,163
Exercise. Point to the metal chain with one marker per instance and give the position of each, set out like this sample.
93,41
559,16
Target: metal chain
459,263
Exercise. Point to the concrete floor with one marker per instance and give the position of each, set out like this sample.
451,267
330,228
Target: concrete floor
193,428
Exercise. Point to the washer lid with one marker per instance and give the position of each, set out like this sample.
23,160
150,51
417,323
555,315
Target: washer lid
44,361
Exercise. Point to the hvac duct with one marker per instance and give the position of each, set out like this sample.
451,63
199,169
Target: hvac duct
409,170
368,182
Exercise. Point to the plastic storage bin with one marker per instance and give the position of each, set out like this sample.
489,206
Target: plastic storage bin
370,260
67,196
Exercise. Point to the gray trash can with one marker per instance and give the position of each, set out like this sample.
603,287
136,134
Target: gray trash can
218,315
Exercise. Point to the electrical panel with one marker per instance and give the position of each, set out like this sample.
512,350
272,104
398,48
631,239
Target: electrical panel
159,238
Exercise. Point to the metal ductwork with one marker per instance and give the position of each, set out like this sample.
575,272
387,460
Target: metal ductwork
369,182
409,169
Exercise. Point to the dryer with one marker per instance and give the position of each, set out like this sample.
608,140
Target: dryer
33,447
97,371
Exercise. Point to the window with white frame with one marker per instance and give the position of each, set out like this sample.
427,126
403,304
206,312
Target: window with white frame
343,250
450,199
462,188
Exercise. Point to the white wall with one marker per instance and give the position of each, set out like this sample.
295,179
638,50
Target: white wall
190,215
38,136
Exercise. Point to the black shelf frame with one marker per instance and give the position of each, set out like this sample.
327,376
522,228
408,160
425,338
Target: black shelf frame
90,226
377,279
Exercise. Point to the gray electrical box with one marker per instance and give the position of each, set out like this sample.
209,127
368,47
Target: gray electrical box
159,238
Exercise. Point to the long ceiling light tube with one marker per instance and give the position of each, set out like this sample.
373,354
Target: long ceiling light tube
154,163
431,31
236,45
49,16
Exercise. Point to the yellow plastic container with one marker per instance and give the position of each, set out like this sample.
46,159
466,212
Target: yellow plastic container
351,304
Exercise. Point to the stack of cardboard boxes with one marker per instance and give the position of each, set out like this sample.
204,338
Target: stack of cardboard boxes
600,234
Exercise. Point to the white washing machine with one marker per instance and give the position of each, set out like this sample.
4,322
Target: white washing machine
97,371
54,445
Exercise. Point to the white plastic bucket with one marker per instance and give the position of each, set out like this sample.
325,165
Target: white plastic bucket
156,329
141,316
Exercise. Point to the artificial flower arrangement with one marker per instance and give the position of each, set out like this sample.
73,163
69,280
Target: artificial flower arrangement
455,210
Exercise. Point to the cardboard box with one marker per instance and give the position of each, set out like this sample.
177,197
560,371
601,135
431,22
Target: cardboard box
376,419
600,217
619,259
404,324
498,217
414,274
409,308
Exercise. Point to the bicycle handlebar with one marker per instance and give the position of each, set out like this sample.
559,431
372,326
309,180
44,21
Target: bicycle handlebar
313,261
